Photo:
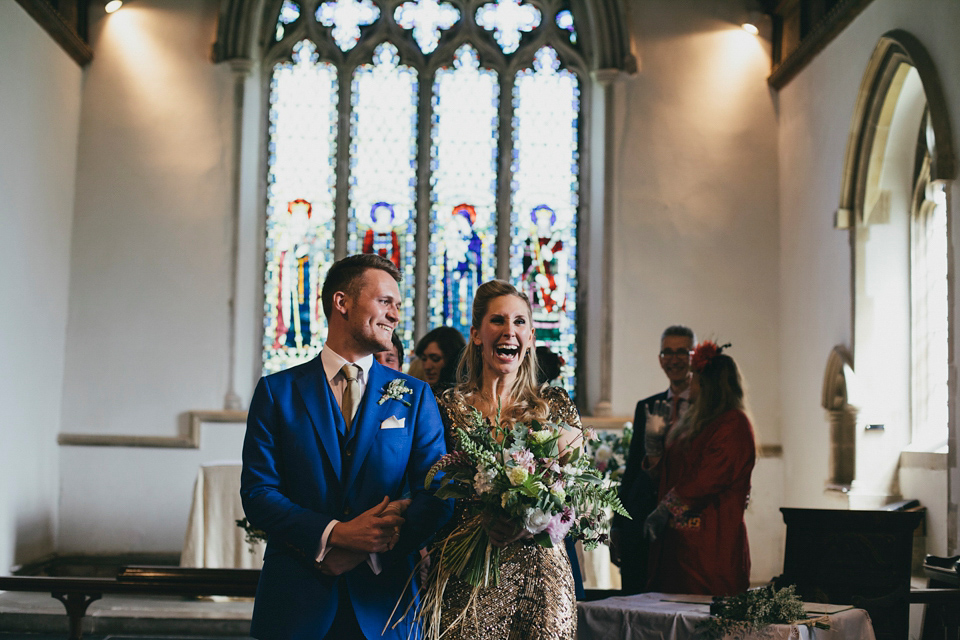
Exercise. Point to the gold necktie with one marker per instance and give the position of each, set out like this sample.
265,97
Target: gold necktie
351,394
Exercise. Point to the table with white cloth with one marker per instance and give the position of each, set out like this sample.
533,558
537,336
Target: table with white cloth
675,617
213,539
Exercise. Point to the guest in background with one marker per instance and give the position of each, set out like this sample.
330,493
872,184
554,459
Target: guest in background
704,468
415,368
439,351
638,490
393,357
548,365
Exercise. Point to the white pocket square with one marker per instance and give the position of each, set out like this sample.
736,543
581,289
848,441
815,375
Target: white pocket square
392,423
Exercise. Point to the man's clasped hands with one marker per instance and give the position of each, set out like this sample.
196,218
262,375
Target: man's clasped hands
376,530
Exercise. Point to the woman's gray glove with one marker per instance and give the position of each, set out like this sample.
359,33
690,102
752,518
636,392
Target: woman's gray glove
654,524
657,418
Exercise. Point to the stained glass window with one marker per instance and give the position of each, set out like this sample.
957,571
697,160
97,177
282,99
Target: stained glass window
346,17
383,155
507,19
289,12
463,226
409,165
565,22
543,217
300,206
426,18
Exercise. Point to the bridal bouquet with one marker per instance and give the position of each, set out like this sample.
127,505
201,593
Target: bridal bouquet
517,473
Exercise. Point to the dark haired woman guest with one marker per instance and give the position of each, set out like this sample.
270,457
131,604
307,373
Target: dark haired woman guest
439,351
700,537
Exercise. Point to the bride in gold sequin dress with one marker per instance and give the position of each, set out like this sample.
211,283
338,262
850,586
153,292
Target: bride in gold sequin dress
535,596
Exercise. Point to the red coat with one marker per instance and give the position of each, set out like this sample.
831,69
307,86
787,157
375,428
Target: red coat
706,483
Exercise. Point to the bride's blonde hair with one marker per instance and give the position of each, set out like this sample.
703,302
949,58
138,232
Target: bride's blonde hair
527,403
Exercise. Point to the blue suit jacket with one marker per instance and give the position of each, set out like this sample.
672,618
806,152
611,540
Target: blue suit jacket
296,480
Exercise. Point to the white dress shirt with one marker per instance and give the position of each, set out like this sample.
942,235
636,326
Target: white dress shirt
332,364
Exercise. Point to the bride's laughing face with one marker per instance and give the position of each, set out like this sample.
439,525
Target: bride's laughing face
505,335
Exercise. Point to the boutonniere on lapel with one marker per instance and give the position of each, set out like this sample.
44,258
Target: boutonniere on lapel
395,390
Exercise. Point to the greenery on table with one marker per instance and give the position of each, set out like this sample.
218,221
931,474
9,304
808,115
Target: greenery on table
608,453
738,615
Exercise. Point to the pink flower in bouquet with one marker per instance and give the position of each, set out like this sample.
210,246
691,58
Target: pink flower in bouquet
559,525
524,460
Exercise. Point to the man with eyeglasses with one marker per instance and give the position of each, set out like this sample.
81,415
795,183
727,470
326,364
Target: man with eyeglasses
629,549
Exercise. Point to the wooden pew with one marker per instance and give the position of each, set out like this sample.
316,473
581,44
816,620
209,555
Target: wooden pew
76,594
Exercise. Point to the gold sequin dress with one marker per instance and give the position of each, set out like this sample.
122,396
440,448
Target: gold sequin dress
535,598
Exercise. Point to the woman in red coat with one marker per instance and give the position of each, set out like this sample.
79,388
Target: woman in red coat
700,537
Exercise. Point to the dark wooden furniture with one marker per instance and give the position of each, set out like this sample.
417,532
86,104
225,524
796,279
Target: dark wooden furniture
76,594
941,620
861,558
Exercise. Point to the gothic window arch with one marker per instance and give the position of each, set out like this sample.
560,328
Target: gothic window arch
894,202
445,136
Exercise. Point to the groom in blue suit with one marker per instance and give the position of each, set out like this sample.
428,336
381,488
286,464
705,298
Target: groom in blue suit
334,461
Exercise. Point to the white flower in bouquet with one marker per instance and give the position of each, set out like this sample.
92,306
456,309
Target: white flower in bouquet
517,475
536,520
557,491
539,437
483,480
571,470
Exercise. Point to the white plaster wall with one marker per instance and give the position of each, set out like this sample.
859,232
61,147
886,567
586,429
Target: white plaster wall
147,329
140,497
39,118
815,110
695,219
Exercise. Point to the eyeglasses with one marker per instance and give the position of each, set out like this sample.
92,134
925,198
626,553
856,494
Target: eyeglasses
679,353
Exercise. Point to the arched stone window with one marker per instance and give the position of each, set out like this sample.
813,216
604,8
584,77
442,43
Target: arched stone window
448,136
894,202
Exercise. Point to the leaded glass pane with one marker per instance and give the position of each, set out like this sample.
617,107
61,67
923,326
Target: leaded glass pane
300,206
463,227
543,218
507,19
289,12
383,154
565,22
427,18
346,17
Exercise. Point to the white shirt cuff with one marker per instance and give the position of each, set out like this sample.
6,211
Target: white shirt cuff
324,550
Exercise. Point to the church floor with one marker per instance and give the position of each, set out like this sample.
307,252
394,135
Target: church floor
37,616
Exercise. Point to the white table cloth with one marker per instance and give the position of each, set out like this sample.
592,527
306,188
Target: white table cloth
660,616
213,539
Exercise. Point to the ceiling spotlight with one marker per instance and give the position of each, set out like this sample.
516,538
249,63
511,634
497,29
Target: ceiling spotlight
752,17
113,5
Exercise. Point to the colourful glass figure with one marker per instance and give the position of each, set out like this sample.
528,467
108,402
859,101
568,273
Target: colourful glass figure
381,237
297,307
544,272
462,273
